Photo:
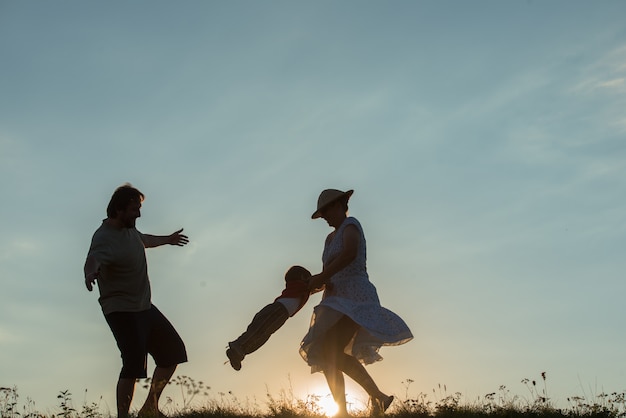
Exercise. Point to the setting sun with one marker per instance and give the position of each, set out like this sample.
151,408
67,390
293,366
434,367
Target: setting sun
327,405
322,402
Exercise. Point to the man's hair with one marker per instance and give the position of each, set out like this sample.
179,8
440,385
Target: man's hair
122,196
297,273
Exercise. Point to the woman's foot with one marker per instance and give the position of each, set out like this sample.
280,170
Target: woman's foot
150,413
342,414
380,405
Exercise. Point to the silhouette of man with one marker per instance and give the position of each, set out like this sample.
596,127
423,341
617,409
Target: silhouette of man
117,262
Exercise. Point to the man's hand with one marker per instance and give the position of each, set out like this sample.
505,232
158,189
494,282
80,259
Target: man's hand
91,272
91,278
178,239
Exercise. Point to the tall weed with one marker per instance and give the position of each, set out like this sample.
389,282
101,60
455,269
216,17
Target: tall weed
197,401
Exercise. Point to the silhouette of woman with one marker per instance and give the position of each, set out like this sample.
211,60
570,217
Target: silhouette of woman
349,325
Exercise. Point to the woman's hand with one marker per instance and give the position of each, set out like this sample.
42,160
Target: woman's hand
317,282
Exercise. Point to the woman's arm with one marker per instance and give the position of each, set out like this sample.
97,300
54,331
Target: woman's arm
351,238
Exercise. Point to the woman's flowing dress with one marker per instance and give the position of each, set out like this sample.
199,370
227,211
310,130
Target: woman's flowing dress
352,294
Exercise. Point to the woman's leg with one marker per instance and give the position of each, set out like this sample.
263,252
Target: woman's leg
337,387
353,368
335,341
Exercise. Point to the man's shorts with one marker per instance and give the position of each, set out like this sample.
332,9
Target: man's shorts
141,333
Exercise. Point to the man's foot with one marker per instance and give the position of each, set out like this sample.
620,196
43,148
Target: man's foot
234,356
380,405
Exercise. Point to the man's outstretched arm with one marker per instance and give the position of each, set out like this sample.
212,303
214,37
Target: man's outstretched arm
151,241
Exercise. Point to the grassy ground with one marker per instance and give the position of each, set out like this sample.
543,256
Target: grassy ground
198,403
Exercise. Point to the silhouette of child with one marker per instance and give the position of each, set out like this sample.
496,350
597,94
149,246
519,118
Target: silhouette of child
269,319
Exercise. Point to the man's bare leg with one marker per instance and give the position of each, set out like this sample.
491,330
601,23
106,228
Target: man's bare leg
160,378
125,390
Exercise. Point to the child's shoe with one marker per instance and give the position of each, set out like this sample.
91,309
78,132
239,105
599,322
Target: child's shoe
233,352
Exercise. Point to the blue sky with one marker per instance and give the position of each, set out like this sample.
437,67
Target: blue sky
484,141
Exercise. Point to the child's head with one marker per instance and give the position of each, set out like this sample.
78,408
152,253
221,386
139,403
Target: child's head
297,273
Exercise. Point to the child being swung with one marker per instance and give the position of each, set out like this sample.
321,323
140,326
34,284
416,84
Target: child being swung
269,319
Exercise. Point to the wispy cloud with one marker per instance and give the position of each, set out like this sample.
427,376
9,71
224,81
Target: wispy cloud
20,248
613,84
607,74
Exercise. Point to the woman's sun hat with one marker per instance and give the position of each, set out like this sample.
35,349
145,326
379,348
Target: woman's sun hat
327,197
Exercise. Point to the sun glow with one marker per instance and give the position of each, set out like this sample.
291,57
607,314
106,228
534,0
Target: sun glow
327,405
322,402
